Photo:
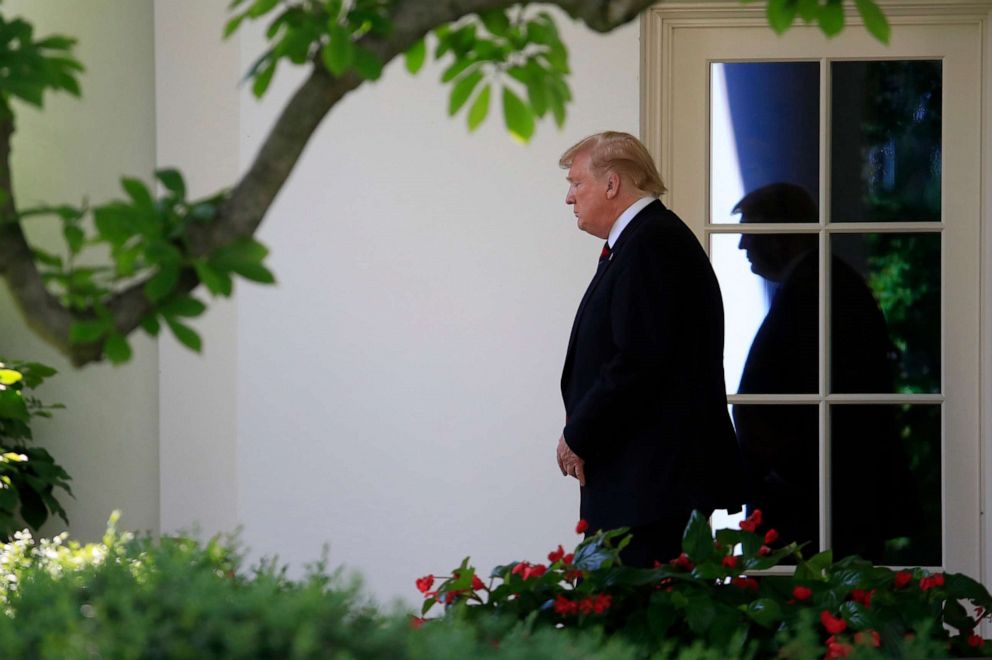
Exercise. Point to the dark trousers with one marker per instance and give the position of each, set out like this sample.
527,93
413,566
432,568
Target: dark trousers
658,541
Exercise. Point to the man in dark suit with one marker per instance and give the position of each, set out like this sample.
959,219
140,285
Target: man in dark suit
647,432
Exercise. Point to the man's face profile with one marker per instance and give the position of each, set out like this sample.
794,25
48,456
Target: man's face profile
588,197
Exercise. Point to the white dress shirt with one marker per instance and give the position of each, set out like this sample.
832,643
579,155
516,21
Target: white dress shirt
621,223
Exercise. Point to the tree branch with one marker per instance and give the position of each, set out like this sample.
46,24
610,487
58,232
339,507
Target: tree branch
240,215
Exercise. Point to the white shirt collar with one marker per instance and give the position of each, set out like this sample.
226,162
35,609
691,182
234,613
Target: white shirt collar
621,223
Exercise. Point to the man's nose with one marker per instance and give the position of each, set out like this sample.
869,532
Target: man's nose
569,198
744,243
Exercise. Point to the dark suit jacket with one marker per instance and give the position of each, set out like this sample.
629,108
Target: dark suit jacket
643,382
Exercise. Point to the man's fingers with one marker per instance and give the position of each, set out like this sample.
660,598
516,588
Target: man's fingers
561,466
580,474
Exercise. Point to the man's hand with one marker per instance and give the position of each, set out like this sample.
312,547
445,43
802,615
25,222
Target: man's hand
569,462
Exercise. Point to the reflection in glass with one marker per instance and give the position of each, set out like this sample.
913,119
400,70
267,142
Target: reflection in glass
886,483
765,127
783,356
780,448
897,353
886,141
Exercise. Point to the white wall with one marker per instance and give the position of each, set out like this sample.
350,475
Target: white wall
107,437
198,105
398,391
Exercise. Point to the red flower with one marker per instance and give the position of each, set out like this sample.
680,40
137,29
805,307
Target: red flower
581,527
520,568
902,579
752,522
601,603
800,592
535,571
730,561
771,536
764,551
565,607
571,576
745,583
477,583
868,637
837,649
425,583
862,596
975,641
586,606
833,624
555,555
683,562
416,622
567,559
932,581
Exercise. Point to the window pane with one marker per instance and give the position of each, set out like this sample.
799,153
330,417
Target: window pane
885,146
780,448
886,483
885,313
765,128
769,284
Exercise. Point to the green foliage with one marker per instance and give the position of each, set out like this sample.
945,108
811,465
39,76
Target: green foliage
28,475
30,67
711,595
828,14
325,31
147,239
520,51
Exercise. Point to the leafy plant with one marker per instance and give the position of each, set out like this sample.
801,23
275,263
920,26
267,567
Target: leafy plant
715,593
29,475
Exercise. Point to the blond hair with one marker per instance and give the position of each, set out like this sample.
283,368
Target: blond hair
621,153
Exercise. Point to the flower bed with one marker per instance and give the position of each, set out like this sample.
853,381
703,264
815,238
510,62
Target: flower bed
712,593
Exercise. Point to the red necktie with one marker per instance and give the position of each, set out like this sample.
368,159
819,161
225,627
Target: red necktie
605,254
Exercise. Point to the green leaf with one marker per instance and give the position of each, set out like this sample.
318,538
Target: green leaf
9,377
816,567
765,611
496,21
462,90
217,282
781,14
263,77
874,19
338,53
74,238
262,7
84,332
518,117
697,540
173,182
480,108
457,68
116,348
416,56
162,283
183,306
232,25
808,10
244,257
367,64
138,192
832,18
12,406
185,334
151,325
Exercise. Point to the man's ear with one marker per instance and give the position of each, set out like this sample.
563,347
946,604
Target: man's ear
612,185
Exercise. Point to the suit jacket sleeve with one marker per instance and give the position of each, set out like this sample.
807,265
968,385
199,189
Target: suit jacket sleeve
640,328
